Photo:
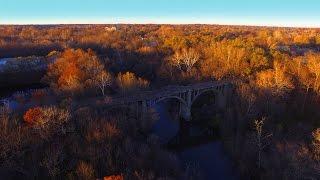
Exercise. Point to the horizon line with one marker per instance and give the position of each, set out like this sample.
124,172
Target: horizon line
162,23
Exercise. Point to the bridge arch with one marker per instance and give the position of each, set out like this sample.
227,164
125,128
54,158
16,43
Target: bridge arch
172,97
203,92
122,107
184,109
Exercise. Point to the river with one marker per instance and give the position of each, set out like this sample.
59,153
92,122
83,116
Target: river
208,158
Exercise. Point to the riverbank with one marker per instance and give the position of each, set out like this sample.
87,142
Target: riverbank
23,71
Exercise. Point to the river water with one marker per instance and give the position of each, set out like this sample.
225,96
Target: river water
209,158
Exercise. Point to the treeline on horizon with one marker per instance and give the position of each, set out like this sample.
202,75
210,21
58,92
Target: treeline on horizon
271,130
39,40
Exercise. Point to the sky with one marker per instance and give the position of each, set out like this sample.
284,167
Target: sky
297,13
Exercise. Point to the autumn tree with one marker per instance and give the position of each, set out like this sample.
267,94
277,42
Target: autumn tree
54,156
304,76
114,177
129,82
185,59
316,143
47,121
76,70
103,80
33,115
85,170
232,58
261,139
276,80
313,63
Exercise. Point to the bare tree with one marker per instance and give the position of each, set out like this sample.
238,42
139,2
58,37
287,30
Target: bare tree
305,77
186,59
103,80
53,159
4,115
316,143
261,139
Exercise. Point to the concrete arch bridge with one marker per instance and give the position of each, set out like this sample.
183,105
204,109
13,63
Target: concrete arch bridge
186,96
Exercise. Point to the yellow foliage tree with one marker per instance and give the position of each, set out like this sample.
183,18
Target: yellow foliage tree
276,80
129,82
313,63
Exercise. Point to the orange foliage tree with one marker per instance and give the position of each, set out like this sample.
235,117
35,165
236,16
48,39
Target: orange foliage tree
47,121
75,70
33,115
114,177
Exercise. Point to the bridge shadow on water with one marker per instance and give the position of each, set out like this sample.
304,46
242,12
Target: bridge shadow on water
198,147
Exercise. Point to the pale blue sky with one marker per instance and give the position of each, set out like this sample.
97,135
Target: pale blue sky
250,12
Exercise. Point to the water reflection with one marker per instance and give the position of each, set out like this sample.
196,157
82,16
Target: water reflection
211,161
166,127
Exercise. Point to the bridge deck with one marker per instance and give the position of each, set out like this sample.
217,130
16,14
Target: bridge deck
163,92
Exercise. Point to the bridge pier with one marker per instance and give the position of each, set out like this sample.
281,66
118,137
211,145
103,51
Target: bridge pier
186,113
221,101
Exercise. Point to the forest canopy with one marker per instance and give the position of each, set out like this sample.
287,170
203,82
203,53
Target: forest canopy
271,129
